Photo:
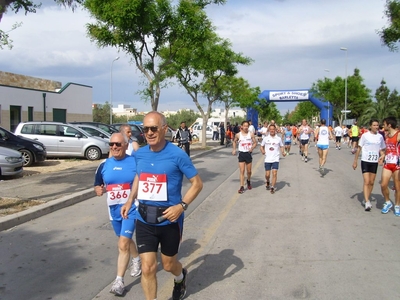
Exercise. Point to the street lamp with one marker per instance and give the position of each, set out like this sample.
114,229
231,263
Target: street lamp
345,86
111,112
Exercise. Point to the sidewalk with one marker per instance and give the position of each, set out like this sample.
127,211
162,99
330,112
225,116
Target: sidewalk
61,189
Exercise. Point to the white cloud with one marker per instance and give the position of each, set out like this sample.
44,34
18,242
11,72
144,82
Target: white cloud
292,42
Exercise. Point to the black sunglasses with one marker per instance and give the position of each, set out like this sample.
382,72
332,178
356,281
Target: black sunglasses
116,144
152,128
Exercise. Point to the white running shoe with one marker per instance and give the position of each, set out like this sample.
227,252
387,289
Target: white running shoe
117,288
136,268
368,206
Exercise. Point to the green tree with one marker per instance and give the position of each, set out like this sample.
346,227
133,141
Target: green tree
303,110
144,28
390,35
358,95
101,113
386,105
200,71
235,91
187,116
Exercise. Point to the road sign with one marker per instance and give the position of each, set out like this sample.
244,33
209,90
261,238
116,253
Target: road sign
345,111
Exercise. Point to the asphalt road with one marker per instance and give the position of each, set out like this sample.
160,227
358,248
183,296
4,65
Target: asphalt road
312,239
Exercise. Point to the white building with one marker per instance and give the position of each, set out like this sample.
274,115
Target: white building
25,98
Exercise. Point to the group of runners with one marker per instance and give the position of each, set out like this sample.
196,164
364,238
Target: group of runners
377,145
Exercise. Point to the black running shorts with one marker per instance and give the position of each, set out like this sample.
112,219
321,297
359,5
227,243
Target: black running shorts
245,157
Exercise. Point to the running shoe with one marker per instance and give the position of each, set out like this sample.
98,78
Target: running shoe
268,187
339,148
397,210
322,170
386,207
306,160
180,287
249,185
136,268
272,190
241,190
368,206
117,288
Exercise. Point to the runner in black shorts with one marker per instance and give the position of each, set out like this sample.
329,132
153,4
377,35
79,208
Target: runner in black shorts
246,142
372,147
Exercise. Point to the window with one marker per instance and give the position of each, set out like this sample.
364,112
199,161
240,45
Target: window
46,129
28,129
69,131
30,113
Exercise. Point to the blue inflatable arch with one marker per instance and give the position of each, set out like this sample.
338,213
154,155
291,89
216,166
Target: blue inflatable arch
292,96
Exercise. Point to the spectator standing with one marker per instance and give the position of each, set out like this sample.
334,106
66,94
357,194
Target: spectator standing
222,133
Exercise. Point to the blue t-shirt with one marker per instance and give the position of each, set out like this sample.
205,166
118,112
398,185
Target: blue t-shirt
113,171
288,135
171,161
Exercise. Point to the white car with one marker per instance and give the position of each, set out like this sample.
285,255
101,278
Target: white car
197,129
11,162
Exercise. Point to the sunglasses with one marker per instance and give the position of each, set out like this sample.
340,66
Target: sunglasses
152,128
116,144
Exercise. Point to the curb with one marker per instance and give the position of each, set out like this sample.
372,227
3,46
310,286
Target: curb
13,220
32,213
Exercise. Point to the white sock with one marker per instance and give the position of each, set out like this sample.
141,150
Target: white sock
120,278
137,258
179,278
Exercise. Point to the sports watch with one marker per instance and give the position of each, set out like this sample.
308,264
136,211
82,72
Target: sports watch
184,205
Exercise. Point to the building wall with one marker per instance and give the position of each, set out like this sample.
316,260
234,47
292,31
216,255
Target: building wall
76,99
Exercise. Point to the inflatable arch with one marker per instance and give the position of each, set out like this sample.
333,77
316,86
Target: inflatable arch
292,96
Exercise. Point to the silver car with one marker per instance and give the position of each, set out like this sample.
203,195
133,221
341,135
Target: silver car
95,131
64,140
11,162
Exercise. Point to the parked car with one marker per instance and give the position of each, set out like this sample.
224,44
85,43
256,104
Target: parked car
11,162
63,139
32,151
95,131
137,131
107,128
170,134
197,129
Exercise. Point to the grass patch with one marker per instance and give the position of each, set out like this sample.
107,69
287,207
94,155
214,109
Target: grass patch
9,206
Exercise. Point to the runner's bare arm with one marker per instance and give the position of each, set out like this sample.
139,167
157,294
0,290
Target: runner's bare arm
253,138
132,196
173,212
236,138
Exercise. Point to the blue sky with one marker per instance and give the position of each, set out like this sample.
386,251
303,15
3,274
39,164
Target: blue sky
292,43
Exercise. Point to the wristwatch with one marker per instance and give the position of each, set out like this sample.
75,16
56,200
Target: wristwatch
184,205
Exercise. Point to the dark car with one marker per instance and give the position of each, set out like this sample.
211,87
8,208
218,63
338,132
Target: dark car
32,151
105,127
137,131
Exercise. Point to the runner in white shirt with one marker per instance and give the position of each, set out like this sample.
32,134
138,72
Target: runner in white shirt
373,147
246,142
323,135
338,134
251,128
304,132
270,147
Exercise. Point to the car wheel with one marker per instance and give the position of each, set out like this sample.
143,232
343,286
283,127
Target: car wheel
93,153
27,156
195,137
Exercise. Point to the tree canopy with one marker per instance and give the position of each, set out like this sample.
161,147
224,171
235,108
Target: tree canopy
145,28
390,35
